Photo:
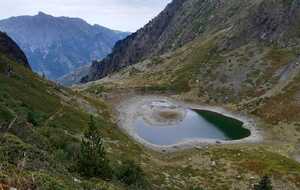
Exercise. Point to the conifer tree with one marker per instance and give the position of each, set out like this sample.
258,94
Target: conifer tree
92,160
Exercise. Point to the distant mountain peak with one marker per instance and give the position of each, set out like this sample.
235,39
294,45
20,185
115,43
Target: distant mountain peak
40,13
57,46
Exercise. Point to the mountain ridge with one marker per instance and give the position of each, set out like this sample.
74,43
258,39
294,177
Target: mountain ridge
187,20
43,125
56,46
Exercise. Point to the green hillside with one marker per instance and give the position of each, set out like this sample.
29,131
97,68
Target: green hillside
57,138
41,129
42,125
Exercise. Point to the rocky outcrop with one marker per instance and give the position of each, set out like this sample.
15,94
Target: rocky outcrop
185,20
11,50
147,41
56,46
274,22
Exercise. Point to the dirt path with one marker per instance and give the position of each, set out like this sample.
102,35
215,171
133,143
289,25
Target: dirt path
51,118
12,123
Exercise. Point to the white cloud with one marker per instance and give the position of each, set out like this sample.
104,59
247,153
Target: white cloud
126,15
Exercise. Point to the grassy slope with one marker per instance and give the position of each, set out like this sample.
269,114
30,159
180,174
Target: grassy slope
43,155
201,73
239,79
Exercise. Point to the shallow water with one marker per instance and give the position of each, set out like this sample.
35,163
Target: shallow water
198,124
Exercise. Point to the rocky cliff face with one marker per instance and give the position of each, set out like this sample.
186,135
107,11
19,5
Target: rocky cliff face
185,20
11,50
56,46
275,22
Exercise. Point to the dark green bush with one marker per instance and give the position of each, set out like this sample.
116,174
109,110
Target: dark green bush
131,174
264,184
35,118
5,114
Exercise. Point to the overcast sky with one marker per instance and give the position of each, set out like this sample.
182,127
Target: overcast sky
126,15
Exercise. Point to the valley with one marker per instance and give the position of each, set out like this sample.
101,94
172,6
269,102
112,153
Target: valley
63,116
206,96
229,166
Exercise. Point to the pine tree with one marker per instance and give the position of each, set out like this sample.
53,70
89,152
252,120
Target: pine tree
92,160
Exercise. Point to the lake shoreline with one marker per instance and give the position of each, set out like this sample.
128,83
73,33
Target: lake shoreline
128,111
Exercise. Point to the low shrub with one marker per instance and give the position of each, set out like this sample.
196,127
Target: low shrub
264,184
132,175
35,118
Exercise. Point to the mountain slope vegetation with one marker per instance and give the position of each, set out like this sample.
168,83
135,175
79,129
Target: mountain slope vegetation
42,125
